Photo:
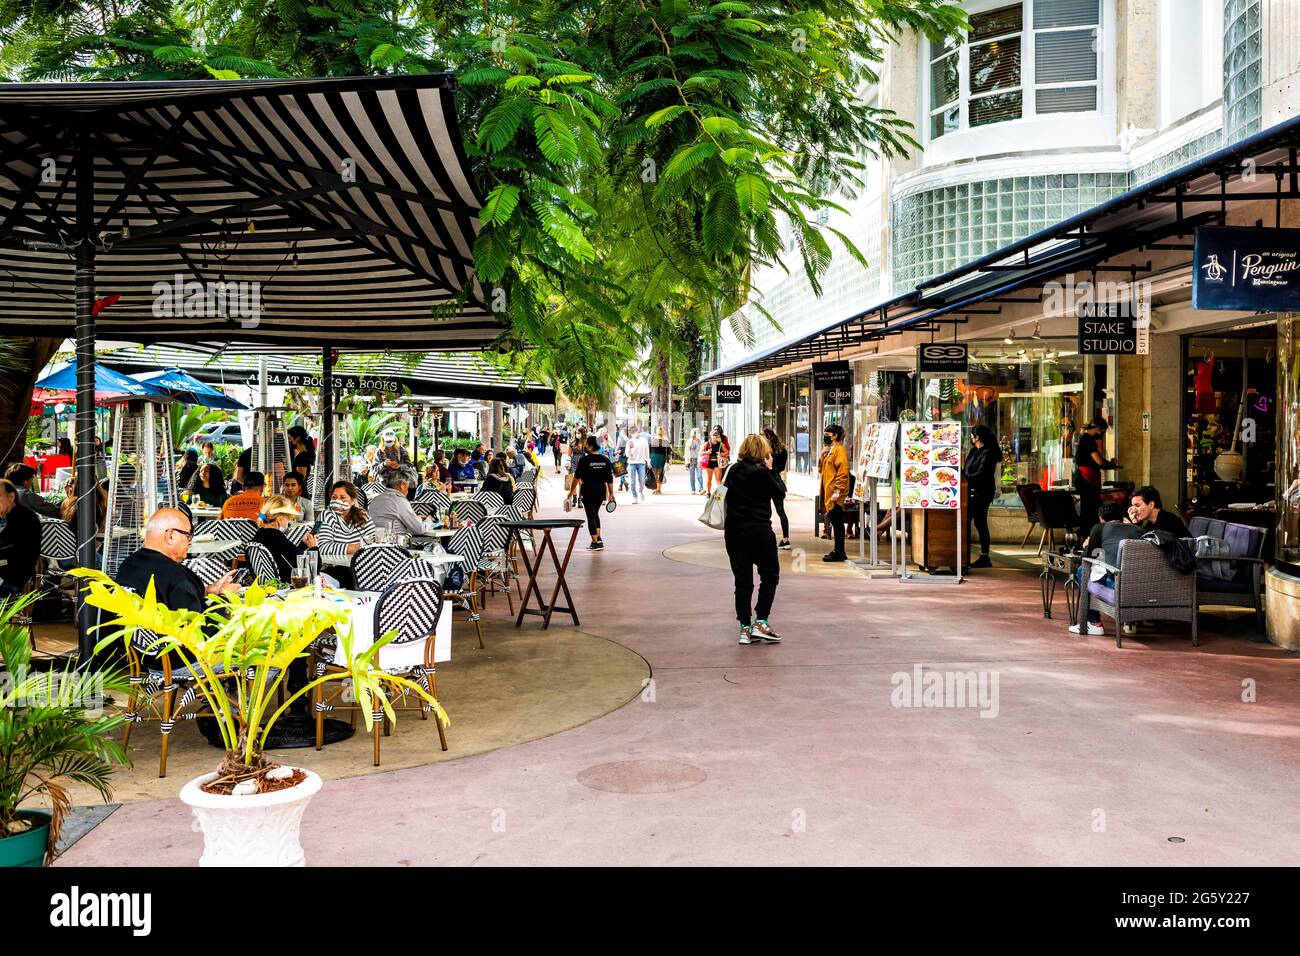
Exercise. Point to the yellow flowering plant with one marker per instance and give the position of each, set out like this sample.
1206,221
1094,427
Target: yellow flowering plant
239,651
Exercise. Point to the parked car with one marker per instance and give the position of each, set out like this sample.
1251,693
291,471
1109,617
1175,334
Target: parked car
220,433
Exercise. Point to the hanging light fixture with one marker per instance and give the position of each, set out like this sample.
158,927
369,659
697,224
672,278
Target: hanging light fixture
1011,337
1038,329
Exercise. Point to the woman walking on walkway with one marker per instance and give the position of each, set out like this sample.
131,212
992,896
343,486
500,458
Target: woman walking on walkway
780,457
693,448
719,453
981,477
835,487
660,449
751,488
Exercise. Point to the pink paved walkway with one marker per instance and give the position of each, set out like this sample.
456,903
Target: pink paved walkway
794,754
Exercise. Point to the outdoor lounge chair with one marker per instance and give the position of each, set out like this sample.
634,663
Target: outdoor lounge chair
1027,493
1146,588
1245,587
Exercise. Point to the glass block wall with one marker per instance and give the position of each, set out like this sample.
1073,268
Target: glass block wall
1180,156
1242,42
941,229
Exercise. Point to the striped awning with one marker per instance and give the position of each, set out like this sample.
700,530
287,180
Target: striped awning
282,213
433,378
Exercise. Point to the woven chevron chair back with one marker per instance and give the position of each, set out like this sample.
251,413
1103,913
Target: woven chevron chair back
471,510
371,566
408,570
229,529
436,497
411,608
58,541
468,543
262,563
514,512
143,641
184,509
208,567
491,500
296,532
525,500
373,489
495,535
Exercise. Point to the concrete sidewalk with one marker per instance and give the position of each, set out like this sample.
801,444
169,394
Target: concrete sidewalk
797,753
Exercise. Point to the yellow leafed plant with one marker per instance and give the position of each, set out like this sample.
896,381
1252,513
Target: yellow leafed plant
239,651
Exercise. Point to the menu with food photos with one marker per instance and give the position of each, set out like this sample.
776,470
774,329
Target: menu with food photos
879,439
930,464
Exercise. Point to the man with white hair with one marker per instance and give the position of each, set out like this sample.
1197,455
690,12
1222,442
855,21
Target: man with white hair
167,537
391,509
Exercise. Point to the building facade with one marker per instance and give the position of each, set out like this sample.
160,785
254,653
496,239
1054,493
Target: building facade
1048,109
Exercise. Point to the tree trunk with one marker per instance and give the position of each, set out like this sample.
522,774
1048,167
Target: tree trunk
21,361
661,398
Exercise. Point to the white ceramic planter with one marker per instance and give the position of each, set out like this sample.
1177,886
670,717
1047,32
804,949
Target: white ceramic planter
256,830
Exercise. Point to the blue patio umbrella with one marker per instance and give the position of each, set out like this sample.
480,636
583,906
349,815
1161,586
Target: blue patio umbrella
109,385
188,389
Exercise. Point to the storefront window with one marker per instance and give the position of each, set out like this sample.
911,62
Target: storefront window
1031,398
801,401
1288,443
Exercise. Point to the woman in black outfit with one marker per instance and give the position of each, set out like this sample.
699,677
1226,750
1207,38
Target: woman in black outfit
211,486
780,458
981,473
498,479
304,452
276,515
751,488
188,471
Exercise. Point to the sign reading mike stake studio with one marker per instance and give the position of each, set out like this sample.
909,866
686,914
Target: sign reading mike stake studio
1108,328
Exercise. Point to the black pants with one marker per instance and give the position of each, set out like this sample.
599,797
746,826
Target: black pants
836,518
779,505
979,515
593,514
1089,503
750,546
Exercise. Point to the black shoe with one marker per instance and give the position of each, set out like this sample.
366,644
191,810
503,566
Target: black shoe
835,556
982,562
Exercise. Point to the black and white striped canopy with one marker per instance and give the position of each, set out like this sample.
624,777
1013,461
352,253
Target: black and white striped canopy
349,200
431,377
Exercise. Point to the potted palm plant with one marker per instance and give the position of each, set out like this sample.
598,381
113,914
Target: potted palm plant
49,738
239,652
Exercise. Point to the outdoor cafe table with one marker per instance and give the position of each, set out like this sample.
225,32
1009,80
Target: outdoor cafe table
545,526
205,544
201,512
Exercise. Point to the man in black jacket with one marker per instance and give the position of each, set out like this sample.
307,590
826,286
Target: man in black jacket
20,541
22,477
1148,510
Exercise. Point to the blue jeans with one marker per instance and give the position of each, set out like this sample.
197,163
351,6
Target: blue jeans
697,478
637,475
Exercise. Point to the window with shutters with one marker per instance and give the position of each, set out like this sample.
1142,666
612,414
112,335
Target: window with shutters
1018,61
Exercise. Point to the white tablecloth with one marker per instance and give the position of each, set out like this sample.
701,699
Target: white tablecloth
362,604
213,546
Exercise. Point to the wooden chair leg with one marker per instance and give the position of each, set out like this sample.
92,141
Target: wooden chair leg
375,733
132,700
169,698
318,698
433,689
478,624
1028,532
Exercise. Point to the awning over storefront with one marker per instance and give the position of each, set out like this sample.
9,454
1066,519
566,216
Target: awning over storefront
419,377
1158,216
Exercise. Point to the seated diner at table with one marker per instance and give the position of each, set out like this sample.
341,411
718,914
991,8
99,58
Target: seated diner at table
20,539
391,509
462,469
291,489
22,476
248,503
277,512
499,480
211,486
344,528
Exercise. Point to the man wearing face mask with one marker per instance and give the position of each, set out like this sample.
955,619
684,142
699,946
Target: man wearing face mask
835,487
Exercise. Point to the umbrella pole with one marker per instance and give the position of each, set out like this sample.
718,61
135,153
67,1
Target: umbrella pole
327,419
85,450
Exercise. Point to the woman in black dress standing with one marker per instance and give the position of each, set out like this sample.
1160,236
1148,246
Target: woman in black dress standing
747,534
981,477
780,458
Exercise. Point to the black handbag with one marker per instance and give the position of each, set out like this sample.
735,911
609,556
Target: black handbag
650,480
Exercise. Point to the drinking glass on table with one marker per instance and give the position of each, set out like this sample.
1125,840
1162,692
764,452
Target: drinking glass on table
299,577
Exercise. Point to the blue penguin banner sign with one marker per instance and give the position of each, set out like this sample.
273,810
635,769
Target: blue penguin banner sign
1245,269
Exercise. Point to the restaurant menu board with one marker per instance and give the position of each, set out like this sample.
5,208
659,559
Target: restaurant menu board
878,442
930,465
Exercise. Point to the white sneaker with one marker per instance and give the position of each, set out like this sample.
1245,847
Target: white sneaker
1130,629
1096,630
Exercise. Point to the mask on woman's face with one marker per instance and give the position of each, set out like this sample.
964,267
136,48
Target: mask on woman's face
828,439
338,507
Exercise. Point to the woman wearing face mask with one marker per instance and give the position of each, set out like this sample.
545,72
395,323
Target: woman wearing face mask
343,529
981,476
835,487
276,514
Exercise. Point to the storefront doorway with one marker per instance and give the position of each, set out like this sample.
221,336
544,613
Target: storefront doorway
1230,413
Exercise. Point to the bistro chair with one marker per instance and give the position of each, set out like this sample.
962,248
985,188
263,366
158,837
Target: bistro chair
209,568
1027,494
468,544
497,564
411,608
491,500
262,563
373,489
296,532
525,500
1055,511
58,546
1145,588
472,510
372,565
159,691
1235,580
229,529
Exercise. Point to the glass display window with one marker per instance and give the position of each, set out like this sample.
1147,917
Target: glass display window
1288,444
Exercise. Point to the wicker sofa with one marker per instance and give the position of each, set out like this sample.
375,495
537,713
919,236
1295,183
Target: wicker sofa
1145,588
